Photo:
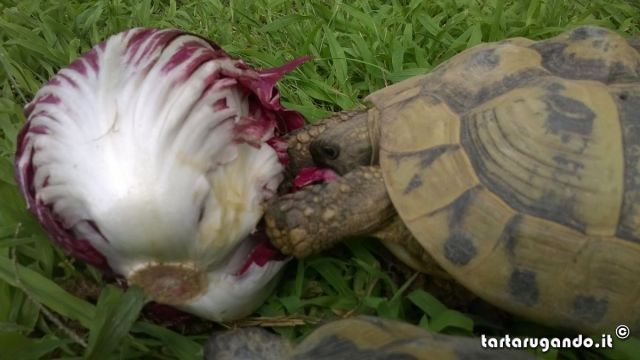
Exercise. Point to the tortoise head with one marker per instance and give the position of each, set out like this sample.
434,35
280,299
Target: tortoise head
346,145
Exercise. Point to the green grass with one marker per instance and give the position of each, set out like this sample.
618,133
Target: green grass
358,46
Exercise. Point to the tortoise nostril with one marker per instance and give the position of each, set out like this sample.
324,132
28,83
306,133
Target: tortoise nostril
330,152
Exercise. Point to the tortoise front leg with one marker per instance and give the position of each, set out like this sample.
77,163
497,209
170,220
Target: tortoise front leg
397,238
319,216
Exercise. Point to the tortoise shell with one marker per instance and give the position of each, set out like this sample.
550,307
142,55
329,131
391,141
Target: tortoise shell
359,338
371,338
516,165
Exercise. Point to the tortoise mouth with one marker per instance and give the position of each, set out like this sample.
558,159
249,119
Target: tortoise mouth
261,252
313,175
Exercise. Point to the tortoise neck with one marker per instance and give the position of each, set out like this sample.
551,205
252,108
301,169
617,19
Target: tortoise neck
299,140
345,145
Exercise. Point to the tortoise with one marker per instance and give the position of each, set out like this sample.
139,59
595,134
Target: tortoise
358,338
514,167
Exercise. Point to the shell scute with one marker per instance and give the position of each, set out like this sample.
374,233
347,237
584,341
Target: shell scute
590,53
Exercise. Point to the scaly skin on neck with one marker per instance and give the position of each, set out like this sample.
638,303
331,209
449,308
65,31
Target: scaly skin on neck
299,141
345,146
318,216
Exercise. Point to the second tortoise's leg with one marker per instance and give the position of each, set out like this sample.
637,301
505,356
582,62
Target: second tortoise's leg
359,338
319,216
247,343
366,338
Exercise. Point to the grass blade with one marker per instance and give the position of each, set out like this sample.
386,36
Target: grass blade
182,347
115,314
46,292
427,303
338,59
451,319
328,269
17,346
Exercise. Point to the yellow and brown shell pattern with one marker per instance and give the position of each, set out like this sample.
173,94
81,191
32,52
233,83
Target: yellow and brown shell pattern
360,338
516,164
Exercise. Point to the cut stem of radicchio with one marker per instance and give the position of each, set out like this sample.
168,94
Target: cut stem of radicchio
152,155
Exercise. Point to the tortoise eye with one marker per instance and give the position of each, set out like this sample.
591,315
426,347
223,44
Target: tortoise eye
330,152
